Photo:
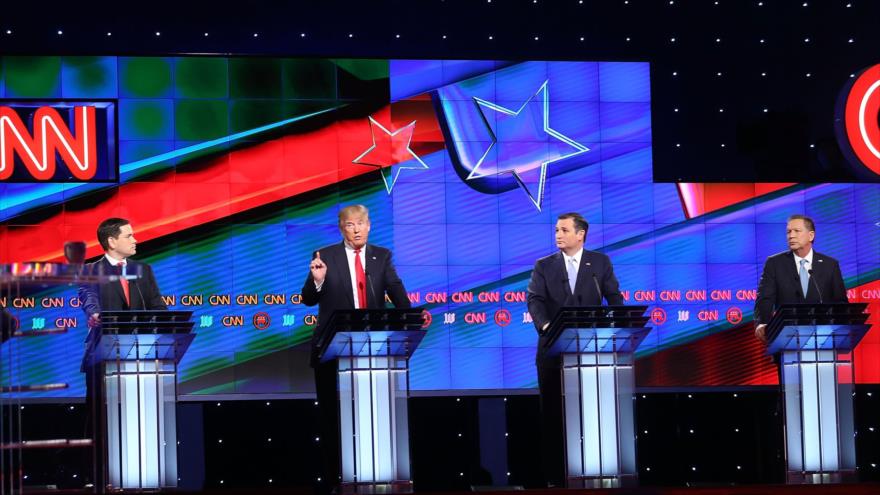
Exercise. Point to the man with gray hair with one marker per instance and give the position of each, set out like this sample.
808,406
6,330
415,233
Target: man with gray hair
798,275
347,275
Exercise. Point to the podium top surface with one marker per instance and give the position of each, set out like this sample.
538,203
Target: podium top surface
140,335
372,332
823,326
582,329
39,274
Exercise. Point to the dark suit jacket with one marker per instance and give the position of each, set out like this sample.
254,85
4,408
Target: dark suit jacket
780,284
337,292
549,289
143,292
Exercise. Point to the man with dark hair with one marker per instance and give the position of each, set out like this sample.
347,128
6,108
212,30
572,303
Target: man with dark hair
348,275
117,239
572,276
799,275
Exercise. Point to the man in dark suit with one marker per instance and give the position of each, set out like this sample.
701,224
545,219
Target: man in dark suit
572,276
117,239
799,275
348,275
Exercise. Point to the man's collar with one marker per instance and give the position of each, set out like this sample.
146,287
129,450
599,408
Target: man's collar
808,257
113,261
577,256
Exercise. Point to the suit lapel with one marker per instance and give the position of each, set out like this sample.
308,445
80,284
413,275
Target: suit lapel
115,287
793,273
818,267
341,262
371,265
559,263
583,273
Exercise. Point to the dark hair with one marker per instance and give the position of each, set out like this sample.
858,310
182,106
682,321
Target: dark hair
111,227
811,227
580,223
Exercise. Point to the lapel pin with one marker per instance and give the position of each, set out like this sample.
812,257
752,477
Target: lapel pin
588,264
374,257
820,260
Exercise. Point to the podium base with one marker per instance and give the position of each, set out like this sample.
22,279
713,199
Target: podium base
400,486
820,478
592,482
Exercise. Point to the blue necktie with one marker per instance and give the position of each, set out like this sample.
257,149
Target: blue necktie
571,268
805,277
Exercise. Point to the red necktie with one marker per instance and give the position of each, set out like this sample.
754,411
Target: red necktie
124,282
361,279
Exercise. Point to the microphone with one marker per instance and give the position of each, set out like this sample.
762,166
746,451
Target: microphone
810,271
372,293
598,288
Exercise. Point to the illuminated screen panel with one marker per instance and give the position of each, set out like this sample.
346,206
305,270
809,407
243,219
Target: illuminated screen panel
232,171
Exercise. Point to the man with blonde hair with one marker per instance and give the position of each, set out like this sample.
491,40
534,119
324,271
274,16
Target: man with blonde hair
347,275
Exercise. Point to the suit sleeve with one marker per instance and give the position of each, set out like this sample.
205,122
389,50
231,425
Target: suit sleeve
838,288
537,297
393,285
766,294
88,295
310,295
610,285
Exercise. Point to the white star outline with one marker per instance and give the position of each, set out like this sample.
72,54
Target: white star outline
546,127
395,173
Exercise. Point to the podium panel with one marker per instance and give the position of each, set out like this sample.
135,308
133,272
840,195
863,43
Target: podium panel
814,344
595,346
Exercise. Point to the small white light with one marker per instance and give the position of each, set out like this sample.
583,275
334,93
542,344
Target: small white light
761,40
269,439
218,404
760,4
735,395
806,40
808,74
675,73
317,439
805,4
220,441
671,2
506,434
723,145
459,435
693,468
221,482
444,36
627,38
678,145
717,40
763,74
691,431
672,40
852,75
738,468
644,396
505,399
736,430
75,475
582,38
458,399
536,38
8,31
720,110
397,36
25,476
871,428
158,33
256,35
718,74
351,35
206,35
508,473
109,33
646,432
461,474
302,35
270,480
869,394
647,469
848,5
812,145
71,408
268,403
850,40
765,110
21,408
675,110
60,32
491,37
873,465
316,403
319,478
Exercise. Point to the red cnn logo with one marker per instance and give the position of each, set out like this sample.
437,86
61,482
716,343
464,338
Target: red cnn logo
860,119
50,134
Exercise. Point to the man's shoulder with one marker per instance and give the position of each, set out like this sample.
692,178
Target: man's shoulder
547,259
378,250
824,258
596,255
779,257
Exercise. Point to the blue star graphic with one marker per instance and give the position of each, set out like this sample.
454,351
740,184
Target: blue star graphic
527,143
390,166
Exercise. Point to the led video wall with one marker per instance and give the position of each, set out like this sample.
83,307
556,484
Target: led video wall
232,171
